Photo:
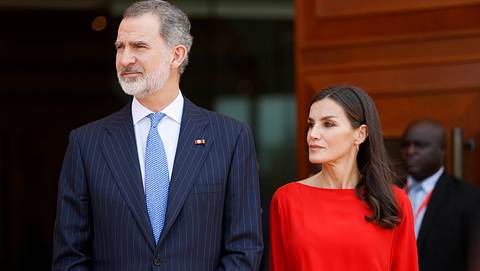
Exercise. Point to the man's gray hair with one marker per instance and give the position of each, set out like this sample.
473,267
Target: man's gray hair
174,23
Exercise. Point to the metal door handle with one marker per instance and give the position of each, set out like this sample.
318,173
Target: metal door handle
457,152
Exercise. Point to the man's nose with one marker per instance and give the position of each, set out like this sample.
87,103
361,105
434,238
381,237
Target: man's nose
409,148
126,58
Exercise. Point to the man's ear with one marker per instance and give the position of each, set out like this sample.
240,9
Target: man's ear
361,133
179,55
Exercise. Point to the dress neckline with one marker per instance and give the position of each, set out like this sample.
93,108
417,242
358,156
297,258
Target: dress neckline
326,189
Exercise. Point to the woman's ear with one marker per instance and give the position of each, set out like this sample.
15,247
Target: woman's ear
179,55
361,133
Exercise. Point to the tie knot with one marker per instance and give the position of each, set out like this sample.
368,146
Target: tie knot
155,118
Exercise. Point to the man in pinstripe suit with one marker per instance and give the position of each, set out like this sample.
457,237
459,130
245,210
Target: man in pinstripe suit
212,217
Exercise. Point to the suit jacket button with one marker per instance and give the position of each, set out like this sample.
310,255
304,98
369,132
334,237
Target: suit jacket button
157,261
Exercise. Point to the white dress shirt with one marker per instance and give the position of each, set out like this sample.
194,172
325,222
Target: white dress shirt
168,128
417,192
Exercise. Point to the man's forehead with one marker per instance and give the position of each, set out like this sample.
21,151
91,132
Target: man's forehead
419,130
422,134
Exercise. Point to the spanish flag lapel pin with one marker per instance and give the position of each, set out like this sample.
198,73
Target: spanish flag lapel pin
199,141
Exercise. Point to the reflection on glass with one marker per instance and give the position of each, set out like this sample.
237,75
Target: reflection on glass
273,121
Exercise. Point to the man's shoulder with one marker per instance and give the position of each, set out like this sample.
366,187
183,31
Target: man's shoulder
459,182
461,188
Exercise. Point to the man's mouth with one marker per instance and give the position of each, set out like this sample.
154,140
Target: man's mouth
130,74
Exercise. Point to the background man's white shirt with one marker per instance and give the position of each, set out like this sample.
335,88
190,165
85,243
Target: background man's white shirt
417,192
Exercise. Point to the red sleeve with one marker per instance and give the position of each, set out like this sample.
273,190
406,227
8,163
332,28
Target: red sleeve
278,256
404,251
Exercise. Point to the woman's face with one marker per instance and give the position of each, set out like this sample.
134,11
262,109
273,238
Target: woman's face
330,136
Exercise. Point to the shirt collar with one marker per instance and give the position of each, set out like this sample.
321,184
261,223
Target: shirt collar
427,184
174,110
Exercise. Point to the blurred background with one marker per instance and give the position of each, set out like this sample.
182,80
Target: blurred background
258,61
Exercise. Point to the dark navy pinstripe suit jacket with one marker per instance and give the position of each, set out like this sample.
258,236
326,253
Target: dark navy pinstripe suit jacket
213,215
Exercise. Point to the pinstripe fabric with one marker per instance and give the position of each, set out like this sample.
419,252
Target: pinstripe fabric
213,214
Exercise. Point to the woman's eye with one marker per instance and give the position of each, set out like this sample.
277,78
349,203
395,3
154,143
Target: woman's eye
329,124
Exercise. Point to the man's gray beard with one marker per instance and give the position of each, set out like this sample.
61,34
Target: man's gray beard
142,86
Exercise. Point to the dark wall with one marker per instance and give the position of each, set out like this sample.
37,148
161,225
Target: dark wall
56,74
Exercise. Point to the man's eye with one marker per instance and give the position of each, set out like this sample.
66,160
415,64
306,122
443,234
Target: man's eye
420,144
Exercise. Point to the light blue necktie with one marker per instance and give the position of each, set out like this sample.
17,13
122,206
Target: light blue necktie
415,193
156,176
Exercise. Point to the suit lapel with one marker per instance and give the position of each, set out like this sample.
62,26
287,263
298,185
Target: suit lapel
120,151
435,206
189,158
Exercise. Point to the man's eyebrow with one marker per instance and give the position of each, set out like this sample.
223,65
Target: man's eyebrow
138,43
133,43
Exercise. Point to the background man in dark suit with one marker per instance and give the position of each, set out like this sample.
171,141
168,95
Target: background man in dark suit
446,209
161,184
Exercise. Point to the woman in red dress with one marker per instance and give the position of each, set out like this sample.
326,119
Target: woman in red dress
348,216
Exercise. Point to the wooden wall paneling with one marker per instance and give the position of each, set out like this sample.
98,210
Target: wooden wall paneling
472,131
412,80
300,30
302,115
337,8
416,59
413,52
390,26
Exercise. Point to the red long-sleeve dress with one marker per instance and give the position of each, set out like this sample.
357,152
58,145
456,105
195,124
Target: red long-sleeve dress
316,229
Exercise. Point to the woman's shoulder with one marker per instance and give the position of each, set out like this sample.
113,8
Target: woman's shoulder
286,190
399,193
401,197
285,197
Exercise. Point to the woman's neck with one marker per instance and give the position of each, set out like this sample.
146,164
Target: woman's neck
340,174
